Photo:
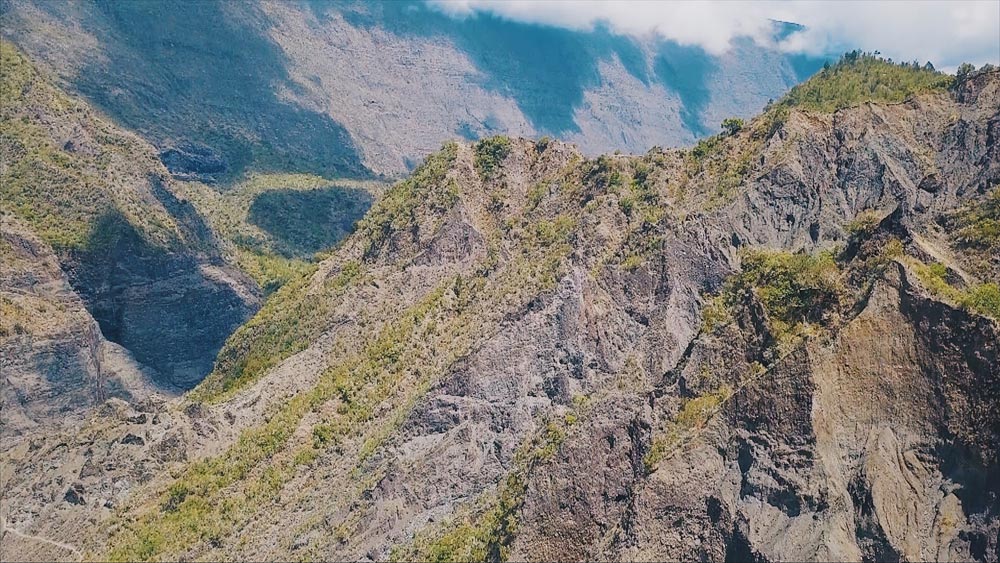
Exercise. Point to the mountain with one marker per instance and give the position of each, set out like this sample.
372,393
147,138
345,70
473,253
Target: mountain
355,89
780,344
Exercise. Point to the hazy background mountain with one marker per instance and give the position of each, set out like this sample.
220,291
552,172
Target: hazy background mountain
358,89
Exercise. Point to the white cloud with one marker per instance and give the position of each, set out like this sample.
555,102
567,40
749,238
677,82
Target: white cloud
944,32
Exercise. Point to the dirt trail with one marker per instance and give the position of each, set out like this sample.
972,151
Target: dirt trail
6,529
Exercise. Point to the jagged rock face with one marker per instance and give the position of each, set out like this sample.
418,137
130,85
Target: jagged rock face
56,363
838,453
511,358
171,310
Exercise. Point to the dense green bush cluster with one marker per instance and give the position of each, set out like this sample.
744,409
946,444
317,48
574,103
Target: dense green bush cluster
856,78
864,224
793,288
860,77
490,154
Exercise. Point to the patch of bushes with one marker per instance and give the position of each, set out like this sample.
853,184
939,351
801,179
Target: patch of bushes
543,144
536,194
707,147
61,192
864,224
984,299
976,231
980,298
732,126
550,233
793,288
860,77
490,154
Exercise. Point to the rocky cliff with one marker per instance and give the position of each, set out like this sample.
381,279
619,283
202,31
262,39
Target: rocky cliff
779,345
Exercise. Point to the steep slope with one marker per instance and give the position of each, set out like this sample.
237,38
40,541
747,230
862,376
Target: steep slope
55,360
759,349
93,230
348,88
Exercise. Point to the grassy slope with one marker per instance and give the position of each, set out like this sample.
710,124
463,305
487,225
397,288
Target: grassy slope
66,171
276,225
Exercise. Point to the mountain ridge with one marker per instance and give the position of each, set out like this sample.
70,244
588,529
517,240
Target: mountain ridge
525,353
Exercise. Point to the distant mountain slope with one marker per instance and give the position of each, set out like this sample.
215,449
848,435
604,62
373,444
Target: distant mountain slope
352,88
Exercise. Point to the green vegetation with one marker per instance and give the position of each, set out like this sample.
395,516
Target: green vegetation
270,271
303,222
975,231
980,298
490,154
694,415
715,313
793,288
290,319
722,162
796,291
979,224
278,222
860,77
984,299
543,143
551,233
732,126
214,496
427,188
707,147
864,224
536,194
60,189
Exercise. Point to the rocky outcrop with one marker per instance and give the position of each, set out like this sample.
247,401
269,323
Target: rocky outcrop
171,310
93,231
193,162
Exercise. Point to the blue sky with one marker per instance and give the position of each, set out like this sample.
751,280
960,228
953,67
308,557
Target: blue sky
944,32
